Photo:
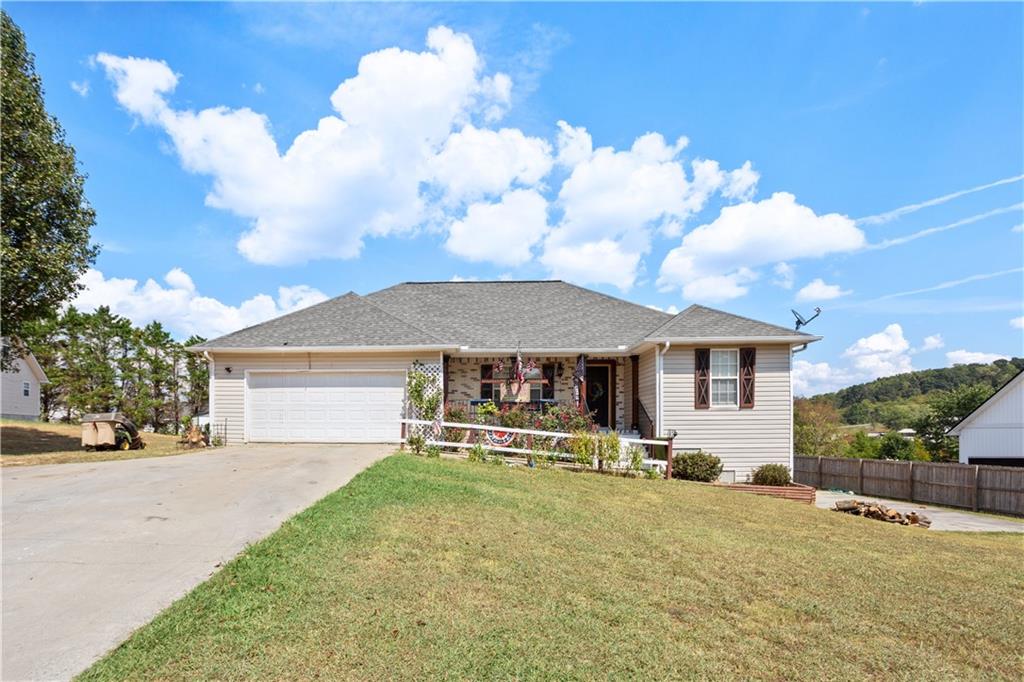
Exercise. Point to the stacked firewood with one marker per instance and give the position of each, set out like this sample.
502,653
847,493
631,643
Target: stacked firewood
879,512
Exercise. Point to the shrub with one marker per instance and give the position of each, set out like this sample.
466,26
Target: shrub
432,451
862,447
485,411
564,419
696,466
609,449
652,473
477,453
451,434
635,457
770,474
416,442
582,447
895,446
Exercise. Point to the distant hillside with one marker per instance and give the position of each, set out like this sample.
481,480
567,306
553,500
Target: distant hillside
896,401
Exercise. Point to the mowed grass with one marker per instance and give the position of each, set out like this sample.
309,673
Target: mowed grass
422,569
23,443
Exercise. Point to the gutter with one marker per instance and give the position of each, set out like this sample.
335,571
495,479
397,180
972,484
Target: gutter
318,349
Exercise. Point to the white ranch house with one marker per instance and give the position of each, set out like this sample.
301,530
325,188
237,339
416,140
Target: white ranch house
336,371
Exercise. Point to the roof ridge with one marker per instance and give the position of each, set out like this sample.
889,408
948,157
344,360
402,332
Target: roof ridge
613,298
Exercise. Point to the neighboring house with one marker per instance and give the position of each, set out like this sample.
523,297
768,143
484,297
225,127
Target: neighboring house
19,389
994,433
336,371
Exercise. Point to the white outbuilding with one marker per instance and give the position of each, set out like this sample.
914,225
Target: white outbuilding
19,388
994,433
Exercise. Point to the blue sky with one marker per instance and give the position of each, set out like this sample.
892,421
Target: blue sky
428,159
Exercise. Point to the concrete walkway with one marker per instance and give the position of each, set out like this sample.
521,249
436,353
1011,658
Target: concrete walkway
943,518
92,551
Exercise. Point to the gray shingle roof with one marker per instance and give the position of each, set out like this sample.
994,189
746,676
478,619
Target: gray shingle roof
699,322
551,315
537,315
348,320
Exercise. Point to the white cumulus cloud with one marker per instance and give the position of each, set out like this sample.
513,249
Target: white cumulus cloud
475,162
818,290
503,233
182,309
933,342
1017,322
966,357
754,234
785,275
356,174
613,199
874,356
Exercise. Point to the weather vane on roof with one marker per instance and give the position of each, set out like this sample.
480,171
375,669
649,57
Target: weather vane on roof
801,321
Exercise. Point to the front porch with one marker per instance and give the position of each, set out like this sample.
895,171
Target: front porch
610,387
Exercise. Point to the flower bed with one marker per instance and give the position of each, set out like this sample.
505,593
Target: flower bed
794,491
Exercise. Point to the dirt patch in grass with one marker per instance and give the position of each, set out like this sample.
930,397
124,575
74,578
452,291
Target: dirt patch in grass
420,569
25,443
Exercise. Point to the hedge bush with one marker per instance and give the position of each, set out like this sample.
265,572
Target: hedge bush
696,466
770,474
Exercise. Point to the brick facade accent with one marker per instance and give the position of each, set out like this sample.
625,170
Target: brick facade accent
464,381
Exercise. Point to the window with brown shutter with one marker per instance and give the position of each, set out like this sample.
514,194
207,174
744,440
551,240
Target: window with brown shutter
748,362
702,378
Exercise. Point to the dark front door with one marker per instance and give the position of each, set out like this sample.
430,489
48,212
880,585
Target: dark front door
599,393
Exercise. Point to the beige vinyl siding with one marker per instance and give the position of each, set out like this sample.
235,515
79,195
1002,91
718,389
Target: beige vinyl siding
648,387
227,409
743,439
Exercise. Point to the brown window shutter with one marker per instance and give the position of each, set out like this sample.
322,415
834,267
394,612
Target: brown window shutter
702,378
748,363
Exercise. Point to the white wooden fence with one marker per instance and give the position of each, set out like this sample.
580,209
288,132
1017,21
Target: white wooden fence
626,442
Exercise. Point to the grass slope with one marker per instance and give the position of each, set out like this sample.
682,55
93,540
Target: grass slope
423,568
24,442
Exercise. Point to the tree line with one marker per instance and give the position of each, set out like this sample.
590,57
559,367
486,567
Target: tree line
818,428
101,362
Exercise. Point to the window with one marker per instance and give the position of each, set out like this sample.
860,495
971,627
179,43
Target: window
487,388
26,389
546,390
725,377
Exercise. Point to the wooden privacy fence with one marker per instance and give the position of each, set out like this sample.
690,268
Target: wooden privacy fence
977,487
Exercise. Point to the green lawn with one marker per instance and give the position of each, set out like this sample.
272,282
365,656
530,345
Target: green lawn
432,568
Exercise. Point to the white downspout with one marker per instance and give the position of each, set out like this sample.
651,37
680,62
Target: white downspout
659,410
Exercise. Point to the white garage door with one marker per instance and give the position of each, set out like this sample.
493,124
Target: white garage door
325,407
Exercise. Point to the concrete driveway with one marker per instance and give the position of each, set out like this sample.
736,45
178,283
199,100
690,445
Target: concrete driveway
93,551
943,518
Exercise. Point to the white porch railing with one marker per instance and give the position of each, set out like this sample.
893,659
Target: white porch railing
662,466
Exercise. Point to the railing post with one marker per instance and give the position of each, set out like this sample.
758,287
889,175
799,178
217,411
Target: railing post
860,477
402,445
668,455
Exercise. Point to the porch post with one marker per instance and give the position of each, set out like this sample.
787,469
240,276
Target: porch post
634,375
444,377
668,455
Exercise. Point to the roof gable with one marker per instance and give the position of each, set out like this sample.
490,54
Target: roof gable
990,403
700,322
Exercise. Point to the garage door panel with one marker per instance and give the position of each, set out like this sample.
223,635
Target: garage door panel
325,406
